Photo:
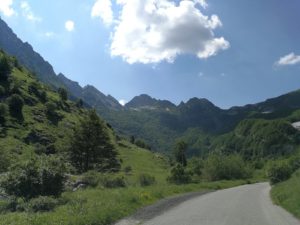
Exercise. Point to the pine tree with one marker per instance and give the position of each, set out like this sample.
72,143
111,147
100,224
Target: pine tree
5,68
91,146
179,153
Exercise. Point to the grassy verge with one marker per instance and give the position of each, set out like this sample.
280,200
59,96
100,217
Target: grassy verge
287,194
104,206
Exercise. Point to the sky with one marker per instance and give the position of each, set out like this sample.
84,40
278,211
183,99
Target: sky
231,52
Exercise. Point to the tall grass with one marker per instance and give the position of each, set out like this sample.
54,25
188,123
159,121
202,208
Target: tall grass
287,194
101,206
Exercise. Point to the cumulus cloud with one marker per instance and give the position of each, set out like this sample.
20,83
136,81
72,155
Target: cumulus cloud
288,60
6,7
151,31
103,10
27,12
70,25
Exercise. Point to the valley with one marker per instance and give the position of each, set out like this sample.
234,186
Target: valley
71,155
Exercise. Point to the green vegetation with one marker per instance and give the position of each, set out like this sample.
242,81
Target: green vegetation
37,176
63,94
222,167
180,153
61,164
104,206
279,171
287,194
255,139
91,147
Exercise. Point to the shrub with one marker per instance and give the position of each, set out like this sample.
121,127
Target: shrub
5,68
4,160
3,112
79,103
42,204
146,180
113,182
127,169
221,167
142,144
179,175
279,171
34,177
16,103
63,94
2,91
91,178
36,89
196,165
33,88
51,108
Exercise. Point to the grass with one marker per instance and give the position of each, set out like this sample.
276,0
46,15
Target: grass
91,206
287,194
104,206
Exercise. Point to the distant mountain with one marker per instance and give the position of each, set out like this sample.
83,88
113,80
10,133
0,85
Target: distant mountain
26,55
147,102
98,100
92,96
159,122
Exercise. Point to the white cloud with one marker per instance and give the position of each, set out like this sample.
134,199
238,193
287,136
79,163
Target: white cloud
152,31
6,7
103,9
70,25
122,102
290,59
27,12
203,3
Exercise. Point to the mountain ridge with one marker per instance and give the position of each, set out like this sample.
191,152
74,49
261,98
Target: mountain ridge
159,122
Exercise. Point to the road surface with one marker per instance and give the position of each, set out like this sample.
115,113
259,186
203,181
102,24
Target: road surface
244,205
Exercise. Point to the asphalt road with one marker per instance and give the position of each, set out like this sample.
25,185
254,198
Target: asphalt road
244,205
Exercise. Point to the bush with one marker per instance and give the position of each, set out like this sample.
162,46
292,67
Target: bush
42,204
2,91
91,178
146,180
51,108
63,94
279,171
5,68
16,103
179,175
4,160
142,144
43,176
110,182
36,89
127,169
221,167
3,112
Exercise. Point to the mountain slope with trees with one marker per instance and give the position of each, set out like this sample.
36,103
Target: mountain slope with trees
159,123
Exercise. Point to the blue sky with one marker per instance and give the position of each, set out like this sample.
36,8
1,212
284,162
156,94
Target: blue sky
231,52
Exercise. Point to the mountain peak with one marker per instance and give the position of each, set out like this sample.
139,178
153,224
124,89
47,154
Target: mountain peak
147,102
